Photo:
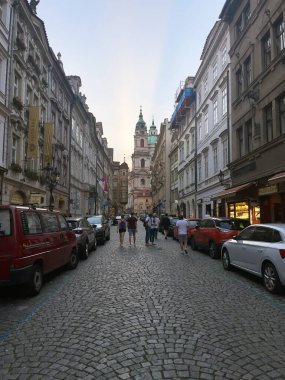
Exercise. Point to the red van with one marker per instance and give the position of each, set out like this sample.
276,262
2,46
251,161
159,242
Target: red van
33,242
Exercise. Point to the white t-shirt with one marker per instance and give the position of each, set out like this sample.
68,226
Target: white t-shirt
182,226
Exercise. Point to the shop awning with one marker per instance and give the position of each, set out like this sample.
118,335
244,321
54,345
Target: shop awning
280,177
231,191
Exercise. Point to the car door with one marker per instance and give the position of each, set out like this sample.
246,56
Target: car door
205,232
255,248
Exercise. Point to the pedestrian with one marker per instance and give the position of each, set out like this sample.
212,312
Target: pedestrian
165,222
153,228
182,233
132,228
157,221
147,223
121,229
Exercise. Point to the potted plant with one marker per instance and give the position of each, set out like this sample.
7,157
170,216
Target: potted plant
31,174
16,168
18,103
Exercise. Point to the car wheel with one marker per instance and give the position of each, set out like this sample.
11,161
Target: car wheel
270,278
73,260
95,244
85,252
193,244
226,259
36,280
213,250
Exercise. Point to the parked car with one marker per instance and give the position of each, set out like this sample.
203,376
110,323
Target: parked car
211,233
259,249
102,227
85,235
192,223
33,242
173,220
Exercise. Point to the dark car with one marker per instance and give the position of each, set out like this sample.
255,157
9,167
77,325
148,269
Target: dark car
85,235
173,221
211,233
102,227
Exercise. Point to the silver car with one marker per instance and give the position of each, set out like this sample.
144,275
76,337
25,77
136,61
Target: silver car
259,249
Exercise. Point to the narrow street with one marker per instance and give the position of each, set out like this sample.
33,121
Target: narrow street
144,313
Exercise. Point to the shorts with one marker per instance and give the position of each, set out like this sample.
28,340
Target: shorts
132,232
182,238
120,231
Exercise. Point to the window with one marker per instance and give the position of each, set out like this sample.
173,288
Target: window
206,165
247,72
142,143
199,168
142,163
239,27
215,111
239,82
266,50
224,54
224,101
206,120
268,123
215,70
225,152
14,154
5,225
200,129
239,142
280,35
63,223
142,182
206,85
33,223
243,20
248,128
50,222
215,158
282,114
17,81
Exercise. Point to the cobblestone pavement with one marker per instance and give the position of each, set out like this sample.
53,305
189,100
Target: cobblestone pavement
144,313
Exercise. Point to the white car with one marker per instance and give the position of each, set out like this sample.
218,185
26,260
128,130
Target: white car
260,250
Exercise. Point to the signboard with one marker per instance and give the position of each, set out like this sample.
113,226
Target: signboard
268,190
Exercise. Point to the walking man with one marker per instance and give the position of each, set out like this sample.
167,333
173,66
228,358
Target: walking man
182,233
165,222
132,228
147,223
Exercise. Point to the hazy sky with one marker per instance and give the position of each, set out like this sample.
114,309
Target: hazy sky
129,53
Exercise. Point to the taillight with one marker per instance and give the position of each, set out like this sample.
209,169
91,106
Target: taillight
282,253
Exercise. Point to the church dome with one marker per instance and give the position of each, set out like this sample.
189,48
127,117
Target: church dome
141,123
124,165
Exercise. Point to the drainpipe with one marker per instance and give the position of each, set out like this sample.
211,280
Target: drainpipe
69,163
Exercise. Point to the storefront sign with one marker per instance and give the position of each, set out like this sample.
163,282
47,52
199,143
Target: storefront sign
268,190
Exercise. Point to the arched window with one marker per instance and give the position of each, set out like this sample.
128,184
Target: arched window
142,163
142,182
142,143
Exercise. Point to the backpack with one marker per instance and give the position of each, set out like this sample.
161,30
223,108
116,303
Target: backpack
122,225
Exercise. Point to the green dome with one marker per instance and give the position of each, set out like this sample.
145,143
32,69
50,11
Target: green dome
141,123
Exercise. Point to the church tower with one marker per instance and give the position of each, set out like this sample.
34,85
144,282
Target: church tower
140,197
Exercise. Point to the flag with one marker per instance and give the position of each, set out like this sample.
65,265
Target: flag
33,134
105,184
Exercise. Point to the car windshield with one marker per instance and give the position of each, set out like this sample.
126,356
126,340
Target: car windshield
95,220
232,224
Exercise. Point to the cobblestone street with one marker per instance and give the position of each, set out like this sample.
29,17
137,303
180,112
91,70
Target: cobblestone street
144,313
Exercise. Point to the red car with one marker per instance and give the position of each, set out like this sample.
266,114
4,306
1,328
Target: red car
192,223
211,233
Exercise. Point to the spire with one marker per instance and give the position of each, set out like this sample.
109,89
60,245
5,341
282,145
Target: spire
141,123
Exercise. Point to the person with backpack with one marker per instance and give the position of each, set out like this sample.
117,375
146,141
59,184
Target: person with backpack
121,229
132,228
165,222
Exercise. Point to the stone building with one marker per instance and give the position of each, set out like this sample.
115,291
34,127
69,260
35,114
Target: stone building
120,187
257,53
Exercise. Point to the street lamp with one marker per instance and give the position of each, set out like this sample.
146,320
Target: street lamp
221,177
52,179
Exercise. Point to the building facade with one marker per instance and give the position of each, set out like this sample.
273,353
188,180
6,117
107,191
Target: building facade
257,53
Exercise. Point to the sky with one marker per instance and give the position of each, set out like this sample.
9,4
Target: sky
129,54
